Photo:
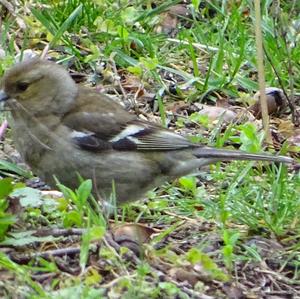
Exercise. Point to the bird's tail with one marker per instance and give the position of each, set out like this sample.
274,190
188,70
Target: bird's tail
228,155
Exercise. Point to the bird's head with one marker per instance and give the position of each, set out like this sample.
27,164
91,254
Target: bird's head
38,86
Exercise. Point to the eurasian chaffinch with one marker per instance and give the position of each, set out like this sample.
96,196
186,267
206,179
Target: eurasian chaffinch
63,129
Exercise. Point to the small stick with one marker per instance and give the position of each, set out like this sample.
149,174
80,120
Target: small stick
59,232
45,51
261,73
25,258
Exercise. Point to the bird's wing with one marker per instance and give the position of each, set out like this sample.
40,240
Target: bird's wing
133,135
108,126
140,135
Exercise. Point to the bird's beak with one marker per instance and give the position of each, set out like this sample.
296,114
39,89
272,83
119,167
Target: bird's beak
3,96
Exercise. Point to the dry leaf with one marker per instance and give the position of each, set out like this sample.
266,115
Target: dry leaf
180,274
215,113
295,139
232,291
170,19
286,128
132,236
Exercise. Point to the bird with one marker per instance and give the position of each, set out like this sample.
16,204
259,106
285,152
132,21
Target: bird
63,130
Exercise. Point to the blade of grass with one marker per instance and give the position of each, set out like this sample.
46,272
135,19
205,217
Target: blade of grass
65,25
11,167
156,11
49,23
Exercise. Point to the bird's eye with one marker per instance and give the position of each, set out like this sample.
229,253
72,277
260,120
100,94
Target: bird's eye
22,86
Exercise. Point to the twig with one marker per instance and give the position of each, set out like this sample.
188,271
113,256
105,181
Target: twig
116,280
130,255
290,100
107,239
280,32
279,277
261,73
57,232
191,220
295,114
45,51
190,292
8,6
64,266
12,9
280,294
117,77
43,277
25,258
198,46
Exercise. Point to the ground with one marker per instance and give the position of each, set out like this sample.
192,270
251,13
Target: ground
230,231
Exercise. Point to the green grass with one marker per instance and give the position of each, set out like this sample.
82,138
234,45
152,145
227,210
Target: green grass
206,222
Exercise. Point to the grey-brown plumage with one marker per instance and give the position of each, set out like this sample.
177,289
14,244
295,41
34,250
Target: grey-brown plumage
63,129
